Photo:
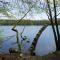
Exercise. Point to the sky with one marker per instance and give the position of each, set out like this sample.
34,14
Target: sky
34,16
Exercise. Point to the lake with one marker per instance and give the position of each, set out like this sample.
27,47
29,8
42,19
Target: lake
45,45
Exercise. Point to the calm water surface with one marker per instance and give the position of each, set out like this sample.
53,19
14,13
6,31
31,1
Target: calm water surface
45,45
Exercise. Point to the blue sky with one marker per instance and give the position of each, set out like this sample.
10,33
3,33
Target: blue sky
34,16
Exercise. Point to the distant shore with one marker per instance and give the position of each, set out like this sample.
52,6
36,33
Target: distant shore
27,22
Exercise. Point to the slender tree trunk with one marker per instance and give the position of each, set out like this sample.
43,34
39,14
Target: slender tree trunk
56,24
51,20
33,45
17,39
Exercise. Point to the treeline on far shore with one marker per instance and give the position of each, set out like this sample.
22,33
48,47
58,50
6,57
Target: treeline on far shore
27,22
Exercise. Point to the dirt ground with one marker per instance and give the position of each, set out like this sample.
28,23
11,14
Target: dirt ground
17,57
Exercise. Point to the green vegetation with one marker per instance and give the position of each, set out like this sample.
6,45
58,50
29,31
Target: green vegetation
27,22
1,38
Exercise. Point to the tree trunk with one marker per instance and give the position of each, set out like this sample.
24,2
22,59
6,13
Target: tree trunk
58,48
17,39
33,45
51,20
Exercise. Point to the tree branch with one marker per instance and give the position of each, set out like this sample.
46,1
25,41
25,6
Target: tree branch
23,16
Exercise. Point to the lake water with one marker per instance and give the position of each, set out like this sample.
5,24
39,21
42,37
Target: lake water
45,45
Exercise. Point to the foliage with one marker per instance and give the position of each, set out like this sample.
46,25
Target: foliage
22,6
4,9
1,38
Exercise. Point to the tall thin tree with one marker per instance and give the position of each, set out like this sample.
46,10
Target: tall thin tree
55,12
51,20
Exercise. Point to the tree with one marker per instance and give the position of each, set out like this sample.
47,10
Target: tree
5,10
39,33
55,12
51,20
34,43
